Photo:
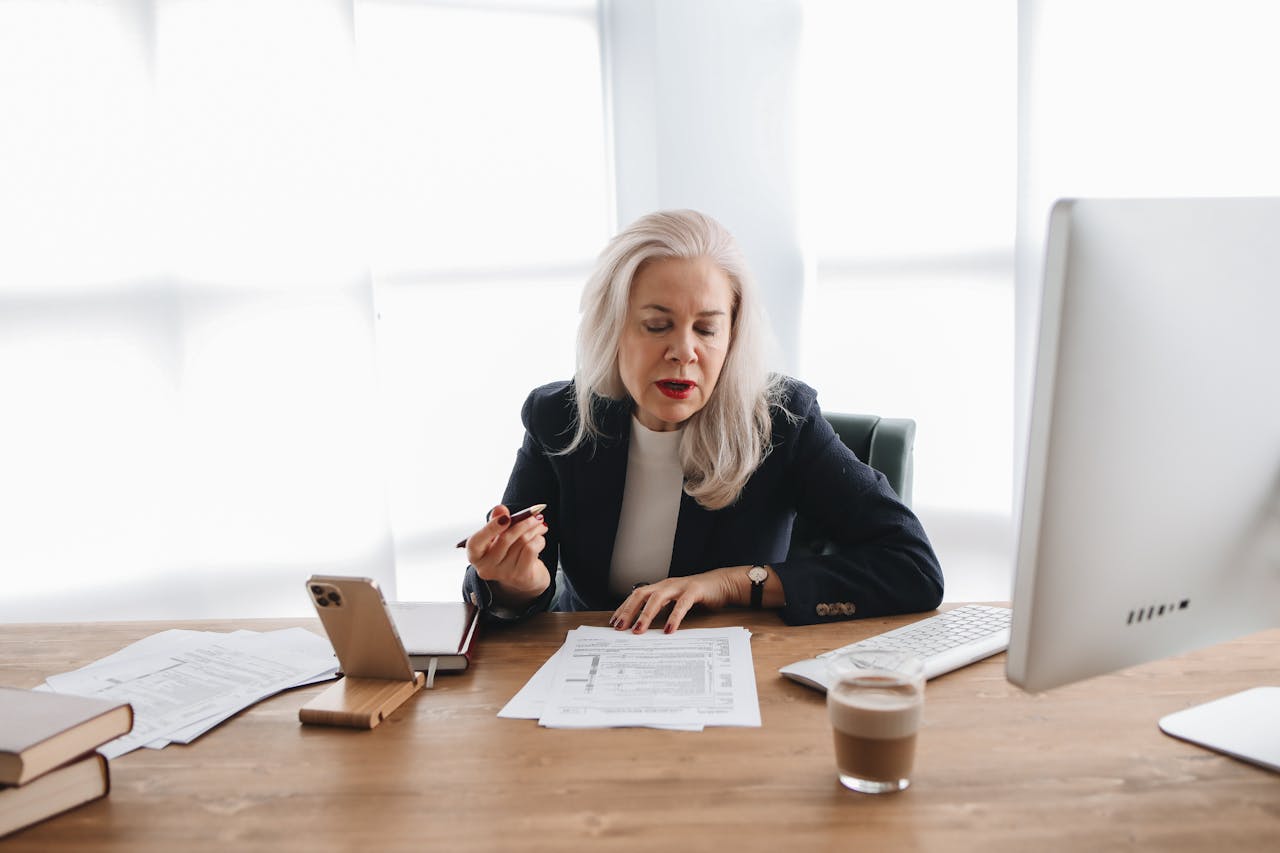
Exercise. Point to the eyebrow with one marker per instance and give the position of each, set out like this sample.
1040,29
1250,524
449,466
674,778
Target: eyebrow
713,312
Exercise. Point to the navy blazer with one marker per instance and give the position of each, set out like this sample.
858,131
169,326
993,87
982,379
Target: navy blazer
884,563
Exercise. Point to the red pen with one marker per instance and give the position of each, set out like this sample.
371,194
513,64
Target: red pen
519,516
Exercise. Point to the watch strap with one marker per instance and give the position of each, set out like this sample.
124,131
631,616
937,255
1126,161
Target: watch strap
757,589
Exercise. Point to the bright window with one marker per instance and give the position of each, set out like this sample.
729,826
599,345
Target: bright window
272,270
908,159
485,165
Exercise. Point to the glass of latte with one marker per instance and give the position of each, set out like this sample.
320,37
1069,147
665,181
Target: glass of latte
875,702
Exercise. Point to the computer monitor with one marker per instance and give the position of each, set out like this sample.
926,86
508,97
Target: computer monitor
1150,520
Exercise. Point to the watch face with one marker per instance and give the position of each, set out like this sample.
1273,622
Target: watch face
758,574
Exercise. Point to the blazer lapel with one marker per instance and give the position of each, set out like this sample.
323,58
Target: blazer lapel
688,555
602,473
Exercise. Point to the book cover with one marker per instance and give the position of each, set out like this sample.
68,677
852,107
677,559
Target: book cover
443,630
54,793
40,731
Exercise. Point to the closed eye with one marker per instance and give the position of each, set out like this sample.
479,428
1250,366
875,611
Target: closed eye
661,328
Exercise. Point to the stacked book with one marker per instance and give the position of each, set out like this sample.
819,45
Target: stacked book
47,759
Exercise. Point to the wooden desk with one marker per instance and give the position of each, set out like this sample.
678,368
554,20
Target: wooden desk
1080,768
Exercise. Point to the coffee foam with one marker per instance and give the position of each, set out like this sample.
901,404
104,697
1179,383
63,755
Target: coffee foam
879,714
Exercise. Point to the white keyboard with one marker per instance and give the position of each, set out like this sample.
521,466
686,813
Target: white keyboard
944,642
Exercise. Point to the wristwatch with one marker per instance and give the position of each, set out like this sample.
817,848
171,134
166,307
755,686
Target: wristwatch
758,575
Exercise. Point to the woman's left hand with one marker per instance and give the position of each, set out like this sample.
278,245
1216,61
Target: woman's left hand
713,589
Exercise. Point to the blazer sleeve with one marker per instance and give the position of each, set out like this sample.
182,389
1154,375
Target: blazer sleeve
533,480
883,561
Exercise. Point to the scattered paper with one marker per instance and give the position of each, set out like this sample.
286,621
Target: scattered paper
528,703
601,677
183,683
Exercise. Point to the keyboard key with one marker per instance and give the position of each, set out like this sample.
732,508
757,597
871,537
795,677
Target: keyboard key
944,642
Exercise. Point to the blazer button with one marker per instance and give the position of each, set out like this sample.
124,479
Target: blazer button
823,609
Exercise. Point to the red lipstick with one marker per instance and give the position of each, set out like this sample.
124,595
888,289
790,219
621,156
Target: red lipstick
676,389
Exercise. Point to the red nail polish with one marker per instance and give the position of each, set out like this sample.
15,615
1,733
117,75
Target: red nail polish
668,629
504,521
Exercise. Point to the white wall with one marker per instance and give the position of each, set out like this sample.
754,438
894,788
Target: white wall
1138,98
704,115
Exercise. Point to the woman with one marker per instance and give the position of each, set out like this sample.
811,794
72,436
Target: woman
674,464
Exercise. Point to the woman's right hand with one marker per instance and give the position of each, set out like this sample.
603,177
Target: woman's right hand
507,557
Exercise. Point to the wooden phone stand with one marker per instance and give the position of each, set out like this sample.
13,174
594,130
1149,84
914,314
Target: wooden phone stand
359,703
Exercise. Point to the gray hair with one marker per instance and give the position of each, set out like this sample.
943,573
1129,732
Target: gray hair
725,441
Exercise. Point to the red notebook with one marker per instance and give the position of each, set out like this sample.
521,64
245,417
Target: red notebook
443,630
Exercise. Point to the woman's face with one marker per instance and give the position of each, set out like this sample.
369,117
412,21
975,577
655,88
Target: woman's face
675,338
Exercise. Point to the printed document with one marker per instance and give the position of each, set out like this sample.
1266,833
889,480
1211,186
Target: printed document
183,683
603,678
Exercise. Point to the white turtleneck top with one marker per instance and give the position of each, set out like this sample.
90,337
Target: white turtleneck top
650,509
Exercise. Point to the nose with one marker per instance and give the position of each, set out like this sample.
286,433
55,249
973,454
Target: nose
683,349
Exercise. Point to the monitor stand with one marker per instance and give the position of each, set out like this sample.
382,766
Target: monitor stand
1242,725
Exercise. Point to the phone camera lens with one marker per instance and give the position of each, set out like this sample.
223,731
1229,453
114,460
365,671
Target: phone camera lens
323,602
333,596
316,590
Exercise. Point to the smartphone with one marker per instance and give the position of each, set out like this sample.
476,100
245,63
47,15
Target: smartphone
355,617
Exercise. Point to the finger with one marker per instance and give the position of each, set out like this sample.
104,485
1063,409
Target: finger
530,525
521,543
529,537
652,608
632,604
619,618
509,556
531,549
536,509
678,611
479,542
499,518
506,553
523,568
511,543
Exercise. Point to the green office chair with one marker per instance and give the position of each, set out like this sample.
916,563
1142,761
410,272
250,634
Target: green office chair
883,443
